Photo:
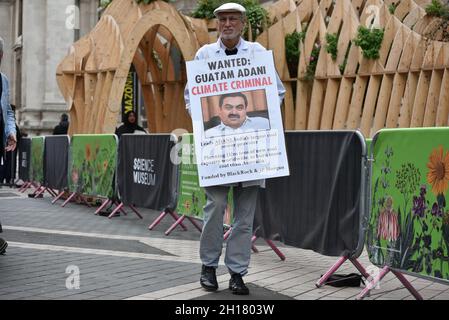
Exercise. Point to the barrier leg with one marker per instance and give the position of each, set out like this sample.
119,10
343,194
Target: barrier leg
275,249
52,192
19,189
115,210
226,235
370,285
40,191
104,204
331,271
35,190
253,246
58,197
135,211
359,267
25,186
28,185
158,220
407,284
195,224
174,225
68,199
176,218
121,208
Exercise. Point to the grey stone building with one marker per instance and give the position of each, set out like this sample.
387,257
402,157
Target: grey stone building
37,35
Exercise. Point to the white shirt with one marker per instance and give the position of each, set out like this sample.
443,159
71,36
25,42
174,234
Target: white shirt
249,125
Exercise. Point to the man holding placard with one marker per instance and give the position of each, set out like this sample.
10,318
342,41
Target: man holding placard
240,150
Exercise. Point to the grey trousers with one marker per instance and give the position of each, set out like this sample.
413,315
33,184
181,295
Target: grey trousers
238,249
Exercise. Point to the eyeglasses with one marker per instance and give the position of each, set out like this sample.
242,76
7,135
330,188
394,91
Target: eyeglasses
232,19
229,107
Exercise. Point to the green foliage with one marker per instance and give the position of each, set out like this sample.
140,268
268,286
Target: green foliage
343,65
392,7
205,9
313,61
331,44
256,14
292,51
437,9
369,41
257,18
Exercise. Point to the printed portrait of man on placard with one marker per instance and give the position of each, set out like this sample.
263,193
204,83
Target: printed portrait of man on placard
235,112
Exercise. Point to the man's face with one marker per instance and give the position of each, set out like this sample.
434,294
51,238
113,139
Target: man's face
230,25
233,112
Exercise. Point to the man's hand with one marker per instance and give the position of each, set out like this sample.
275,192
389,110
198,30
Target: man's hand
11,143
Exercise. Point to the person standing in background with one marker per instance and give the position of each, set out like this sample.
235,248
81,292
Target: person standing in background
8,139
63,126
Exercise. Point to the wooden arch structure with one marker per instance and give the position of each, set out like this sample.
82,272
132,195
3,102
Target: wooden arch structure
93,75
408,86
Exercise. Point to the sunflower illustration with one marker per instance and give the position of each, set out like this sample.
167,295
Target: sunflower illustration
438,175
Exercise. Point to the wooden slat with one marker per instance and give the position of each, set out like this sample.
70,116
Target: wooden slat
369,106
433,96
397,93
443,102
383,101
344,96
330,100
420,99
356,106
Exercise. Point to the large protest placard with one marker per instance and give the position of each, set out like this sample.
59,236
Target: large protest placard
237,122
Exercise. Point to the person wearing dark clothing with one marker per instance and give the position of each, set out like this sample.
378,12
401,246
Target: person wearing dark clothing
9,161
130,125
63,126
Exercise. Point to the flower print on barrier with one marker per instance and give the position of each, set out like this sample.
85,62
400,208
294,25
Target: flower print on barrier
409,224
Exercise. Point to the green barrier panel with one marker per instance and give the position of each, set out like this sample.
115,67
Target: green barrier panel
191,197
92,164
37,160
409,223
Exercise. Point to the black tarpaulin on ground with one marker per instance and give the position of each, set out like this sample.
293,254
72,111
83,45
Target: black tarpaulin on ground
24,159
318,206
56,161
146,177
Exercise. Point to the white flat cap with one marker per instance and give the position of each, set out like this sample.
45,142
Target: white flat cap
230,7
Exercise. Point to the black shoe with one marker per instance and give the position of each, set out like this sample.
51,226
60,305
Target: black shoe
208,278
237,286
3,246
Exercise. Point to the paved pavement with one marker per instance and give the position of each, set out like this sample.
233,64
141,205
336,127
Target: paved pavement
50,248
